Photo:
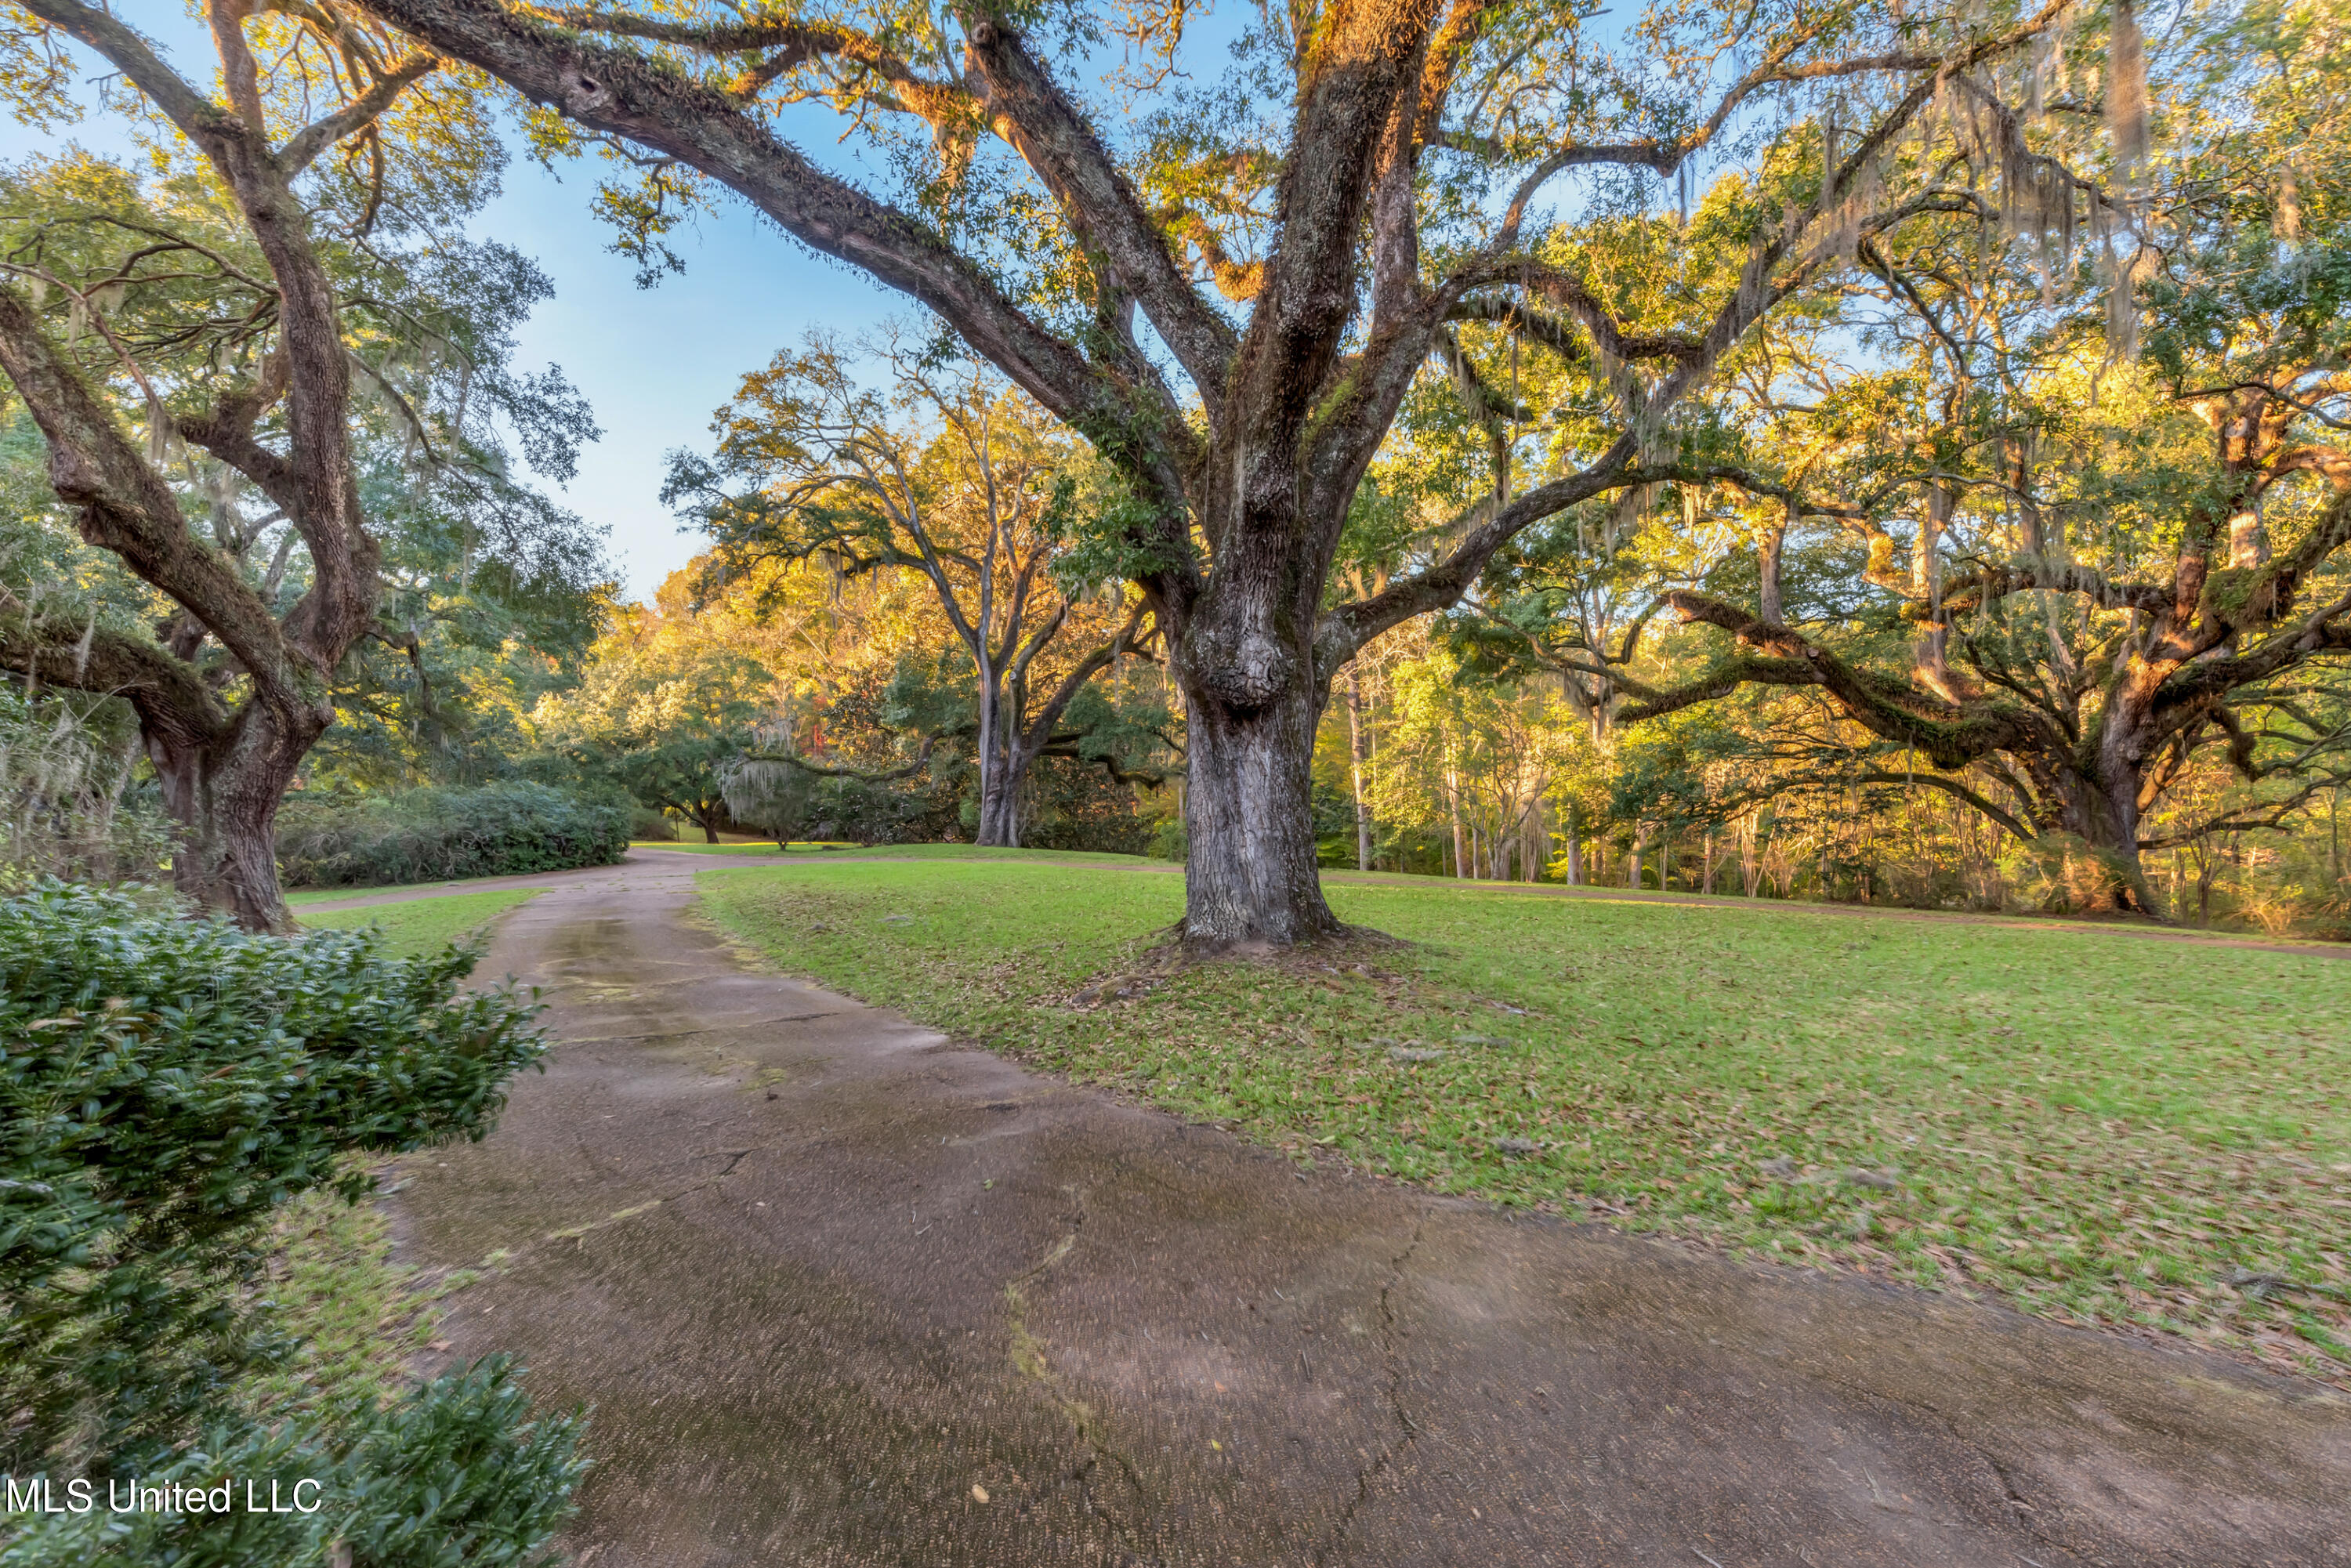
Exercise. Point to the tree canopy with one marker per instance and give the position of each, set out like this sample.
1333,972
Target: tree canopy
1362,204
254,368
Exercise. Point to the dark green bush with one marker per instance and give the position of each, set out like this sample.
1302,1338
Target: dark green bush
456,1475
441,834
164,1086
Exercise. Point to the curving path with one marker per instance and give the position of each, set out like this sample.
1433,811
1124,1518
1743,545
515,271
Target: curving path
843,1293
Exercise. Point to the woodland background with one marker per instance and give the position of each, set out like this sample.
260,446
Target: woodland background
1991,431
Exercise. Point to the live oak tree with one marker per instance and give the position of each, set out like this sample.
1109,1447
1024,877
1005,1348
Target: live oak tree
952,479
1229,290
2087,556
259,307
665,705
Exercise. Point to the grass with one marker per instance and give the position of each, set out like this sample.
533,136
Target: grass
336,894
421,925
2101,1128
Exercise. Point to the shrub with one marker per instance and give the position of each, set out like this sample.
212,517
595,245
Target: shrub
791,804
455,1475
1171,840
164,1086
1071,803
443,833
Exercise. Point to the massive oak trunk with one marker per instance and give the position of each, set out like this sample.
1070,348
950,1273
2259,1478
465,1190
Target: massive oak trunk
1248,808
224,799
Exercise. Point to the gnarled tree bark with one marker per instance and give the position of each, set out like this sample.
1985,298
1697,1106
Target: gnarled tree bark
223,768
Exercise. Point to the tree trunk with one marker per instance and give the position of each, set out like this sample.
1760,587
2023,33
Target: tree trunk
1574,849
1252,879
1775,539
2334,833
1000,800
2100,813
1640,848
1005,757
1001,782
999,828
1453,805
709,826
225,802
1359,750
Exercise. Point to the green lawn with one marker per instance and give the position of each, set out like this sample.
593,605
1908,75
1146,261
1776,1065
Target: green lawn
2101,1127
334,895
424,924
701,848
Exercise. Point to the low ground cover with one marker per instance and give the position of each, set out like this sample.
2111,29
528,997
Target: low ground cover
2101,1127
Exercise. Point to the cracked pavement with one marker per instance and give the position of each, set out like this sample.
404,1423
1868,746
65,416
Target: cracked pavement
840,1291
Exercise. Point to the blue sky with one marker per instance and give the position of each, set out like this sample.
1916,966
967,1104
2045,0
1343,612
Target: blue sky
656,362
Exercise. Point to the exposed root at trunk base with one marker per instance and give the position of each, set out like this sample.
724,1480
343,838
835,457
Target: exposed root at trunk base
1349,948
1345,940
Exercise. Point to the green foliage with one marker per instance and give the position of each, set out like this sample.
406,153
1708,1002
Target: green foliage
1072,805
165,1084
681,775
456,1473
790,803
1073,799
71,802
490,591
660,711
1171,839
445,832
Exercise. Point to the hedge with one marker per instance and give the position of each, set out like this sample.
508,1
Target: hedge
443,833
165,1084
